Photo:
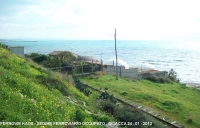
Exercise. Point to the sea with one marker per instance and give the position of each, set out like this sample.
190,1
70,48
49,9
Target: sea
181,56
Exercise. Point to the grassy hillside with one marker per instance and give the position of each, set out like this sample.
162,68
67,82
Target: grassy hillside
174,101
30,93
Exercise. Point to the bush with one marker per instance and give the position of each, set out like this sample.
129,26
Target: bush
129,114
123,93
189,120
100,118
82,87
34,54
172,75
106,96
159,79
40,58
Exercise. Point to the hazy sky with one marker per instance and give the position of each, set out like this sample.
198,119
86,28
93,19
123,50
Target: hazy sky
97,19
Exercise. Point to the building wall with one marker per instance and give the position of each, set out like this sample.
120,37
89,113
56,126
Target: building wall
131,73
19,50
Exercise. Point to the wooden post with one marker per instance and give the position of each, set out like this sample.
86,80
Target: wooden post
116,57
101,65
82,69
92,65
72,70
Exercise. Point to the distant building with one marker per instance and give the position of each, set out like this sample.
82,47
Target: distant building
18,50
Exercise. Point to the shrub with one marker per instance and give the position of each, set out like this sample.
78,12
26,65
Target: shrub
183,86
34,54
106,96
100,118
123,93
108,107
158,79
80,115
129,114
189,120
40,58
82,87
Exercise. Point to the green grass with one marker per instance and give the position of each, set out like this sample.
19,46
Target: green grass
175,101
31,93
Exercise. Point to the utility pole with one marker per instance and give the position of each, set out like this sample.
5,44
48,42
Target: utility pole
116,57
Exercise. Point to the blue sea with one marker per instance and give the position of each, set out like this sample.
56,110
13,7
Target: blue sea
183,57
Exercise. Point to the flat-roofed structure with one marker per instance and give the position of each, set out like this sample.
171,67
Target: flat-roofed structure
18,50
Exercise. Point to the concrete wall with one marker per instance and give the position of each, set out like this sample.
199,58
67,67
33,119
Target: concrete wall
131,73
18,50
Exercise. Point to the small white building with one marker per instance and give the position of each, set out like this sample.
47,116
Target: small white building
123,68
18,50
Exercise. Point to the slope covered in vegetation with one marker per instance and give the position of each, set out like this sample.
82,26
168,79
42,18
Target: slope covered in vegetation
172,100
31,93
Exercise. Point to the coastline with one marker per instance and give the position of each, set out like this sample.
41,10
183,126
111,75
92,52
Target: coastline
193,85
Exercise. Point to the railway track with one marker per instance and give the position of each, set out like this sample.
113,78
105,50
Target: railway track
140,108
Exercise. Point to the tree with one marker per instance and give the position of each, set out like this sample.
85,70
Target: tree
67,57
172,75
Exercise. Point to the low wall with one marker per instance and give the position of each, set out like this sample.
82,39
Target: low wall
131,73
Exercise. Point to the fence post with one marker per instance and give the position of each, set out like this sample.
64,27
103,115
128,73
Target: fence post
92,65
102,65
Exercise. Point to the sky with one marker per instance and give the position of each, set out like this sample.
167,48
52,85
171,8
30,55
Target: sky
98,19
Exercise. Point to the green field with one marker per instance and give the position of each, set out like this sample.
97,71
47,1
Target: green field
31,93
174,101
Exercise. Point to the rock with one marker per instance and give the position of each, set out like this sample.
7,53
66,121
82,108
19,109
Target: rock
33,100
156,115
99,114
84,104
150,112
164,118
68,97
174,122
22,96
88,111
